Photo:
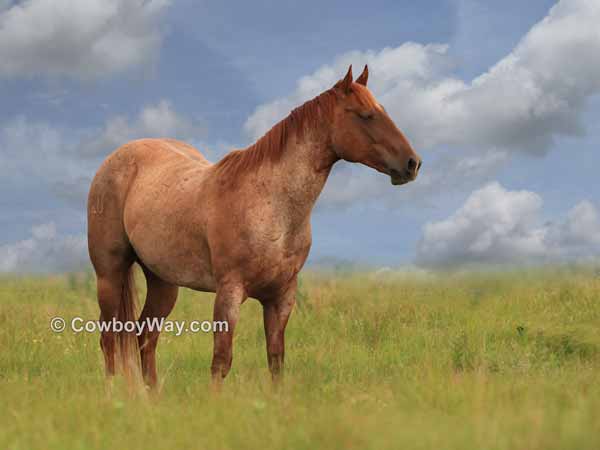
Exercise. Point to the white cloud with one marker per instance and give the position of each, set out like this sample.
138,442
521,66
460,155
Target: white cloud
535,93
497,226
579,231
30,151
350,185
44,251
66,160
82,39
159,120
392,69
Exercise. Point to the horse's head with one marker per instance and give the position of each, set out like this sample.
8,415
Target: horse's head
363,132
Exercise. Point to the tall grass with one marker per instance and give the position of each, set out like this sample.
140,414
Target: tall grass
507,360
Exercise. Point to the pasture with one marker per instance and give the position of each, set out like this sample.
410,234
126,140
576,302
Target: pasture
503,360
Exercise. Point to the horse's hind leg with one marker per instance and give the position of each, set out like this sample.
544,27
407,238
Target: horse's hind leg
112,257
160,300
110,291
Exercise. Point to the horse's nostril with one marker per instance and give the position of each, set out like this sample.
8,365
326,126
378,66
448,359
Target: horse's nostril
420,164
412,164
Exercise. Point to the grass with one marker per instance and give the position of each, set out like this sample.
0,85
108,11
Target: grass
507,360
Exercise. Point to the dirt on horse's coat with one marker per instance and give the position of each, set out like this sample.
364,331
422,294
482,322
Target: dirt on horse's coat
240,227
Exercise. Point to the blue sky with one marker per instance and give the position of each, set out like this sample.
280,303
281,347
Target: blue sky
499,98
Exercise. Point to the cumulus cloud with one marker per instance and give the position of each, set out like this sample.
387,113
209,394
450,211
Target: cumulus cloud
33,151
83,39
392,69
159,120
580,230
522,103
498,226
350,184
44,251
66,160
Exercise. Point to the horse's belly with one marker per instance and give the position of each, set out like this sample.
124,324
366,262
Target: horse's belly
179,268
169,243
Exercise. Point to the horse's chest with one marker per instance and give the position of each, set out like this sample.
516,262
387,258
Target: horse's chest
275,261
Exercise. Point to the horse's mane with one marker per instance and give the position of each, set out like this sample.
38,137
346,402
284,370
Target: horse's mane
270,147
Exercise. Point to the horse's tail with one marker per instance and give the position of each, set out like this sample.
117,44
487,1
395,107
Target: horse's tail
127,341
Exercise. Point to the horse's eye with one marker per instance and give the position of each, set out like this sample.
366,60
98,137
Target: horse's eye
366,115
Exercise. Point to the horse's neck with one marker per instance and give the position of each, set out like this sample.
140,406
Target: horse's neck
299,176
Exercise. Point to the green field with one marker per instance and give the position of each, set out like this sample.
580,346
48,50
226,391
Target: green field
507,360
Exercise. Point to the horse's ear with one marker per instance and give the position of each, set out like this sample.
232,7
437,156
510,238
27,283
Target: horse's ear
346,83
364,76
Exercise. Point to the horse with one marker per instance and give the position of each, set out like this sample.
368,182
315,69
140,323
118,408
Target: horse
239,228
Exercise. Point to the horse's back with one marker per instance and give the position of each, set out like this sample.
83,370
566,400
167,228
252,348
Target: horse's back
151,152
162,159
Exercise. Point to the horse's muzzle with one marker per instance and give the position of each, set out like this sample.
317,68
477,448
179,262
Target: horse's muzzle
397,178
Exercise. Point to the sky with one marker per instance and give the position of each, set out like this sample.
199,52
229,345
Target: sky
500,99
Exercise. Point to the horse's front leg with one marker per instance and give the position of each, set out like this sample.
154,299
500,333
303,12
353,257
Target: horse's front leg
226,312
276,312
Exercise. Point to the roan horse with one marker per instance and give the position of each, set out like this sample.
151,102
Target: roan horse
240,227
